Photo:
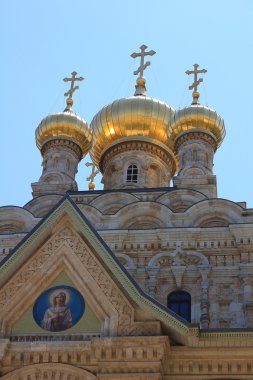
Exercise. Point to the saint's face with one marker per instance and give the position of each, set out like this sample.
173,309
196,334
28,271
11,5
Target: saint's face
60,300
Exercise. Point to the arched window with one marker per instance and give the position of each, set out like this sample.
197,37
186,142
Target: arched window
180,303
132,173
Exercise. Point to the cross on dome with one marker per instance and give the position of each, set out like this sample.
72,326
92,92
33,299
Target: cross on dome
143,65
93,174
194,85
140,83
73,88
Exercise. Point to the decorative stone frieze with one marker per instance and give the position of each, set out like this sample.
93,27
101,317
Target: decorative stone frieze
155,165
195,135
42,261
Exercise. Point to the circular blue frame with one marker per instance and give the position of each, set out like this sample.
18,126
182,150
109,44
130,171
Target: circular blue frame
76,304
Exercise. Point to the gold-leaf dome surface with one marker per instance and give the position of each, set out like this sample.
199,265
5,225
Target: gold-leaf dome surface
197,117
64,125
135,117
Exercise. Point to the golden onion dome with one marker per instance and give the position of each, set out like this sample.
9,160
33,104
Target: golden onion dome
64,125
137,117
197,117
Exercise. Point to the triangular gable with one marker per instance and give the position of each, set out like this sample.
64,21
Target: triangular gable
126,289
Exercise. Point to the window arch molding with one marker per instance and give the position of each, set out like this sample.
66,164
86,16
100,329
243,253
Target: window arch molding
44,371
179,302
132,172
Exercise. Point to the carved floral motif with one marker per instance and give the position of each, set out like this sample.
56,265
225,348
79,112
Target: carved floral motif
95,269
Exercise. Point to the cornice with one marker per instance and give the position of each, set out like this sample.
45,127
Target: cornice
55,143
162,152
195,135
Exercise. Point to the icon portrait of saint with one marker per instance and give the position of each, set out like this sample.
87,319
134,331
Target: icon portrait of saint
58,308
58,317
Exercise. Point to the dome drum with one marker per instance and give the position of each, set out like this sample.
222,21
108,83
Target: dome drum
195,135
137,164
163,153
62,142
197,132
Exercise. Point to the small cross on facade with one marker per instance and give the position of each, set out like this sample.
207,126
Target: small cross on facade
143,65
93,174
72,89
196,82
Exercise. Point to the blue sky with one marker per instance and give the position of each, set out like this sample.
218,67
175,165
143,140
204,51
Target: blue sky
44,41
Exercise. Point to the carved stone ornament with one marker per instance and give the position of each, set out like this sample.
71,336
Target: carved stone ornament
49,371
43,261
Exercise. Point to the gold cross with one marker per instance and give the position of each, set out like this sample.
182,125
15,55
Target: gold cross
72,89
143,65
92,175
196,82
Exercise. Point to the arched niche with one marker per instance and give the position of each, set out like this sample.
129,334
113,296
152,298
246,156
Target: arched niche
49,371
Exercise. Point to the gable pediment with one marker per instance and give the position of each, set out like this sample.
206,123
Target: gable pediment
66,251
65,242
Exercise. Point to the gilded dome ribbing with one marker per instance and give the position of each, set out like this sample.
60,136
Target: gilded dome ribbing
136,117
64,125
197,117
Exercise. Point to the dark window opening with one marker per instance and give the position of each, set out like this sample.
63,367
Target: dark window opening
180,303
132,173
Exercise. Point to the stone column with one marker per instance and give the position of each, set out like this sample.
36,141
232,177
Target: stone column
248,300
5,329
246,274
152,280
204,300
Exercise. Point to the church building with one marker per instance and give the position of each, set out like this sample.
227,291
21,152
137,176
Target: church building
150,278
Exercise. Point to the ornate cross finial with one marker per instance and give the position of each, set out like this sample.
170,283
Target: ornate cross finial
196,82
140,83
93,174
72,89
143,65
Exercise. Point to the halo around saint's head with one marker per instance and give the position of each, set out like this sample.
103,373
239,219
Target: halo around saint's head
57,292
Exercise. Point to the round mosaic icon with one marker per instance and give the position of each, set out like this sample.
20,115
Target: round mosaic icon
58,308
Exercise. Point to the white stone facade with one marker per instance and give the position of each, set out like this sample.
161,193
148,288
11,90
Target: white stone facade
128,250
168,240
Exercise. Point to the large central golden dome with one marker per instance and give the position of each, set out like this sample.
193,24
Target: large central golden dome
138,117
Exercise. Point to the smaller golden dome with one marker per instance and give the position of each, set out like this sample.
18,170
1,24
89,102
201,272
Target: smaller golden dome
197,117
138,117
64,125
